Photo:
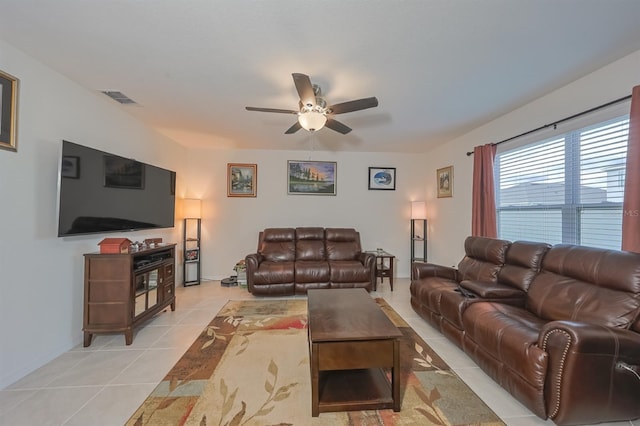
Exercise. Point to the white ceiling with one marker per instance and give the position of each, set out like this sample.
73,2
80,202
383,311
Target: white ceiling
439,68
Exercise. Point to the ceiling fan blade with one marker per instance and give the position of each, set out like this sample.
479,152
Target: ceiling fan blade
293,128
337,126
305,89
283,111
356,105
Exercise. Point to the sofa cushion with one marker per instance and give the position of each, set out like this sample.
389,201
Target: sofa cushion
451,306
510,334
342,244
310,233
270,272
348,271
587,284
277,244
310,244
429,291
311,271
483,258
522,262
617,270
310,250
556,297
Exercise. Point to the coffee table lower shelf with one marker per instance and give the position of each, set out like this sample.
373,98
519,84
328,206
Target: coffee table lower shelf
348,390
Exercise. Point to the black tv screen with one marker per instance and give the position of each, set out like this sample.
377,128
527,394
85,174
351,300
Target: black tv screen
101,192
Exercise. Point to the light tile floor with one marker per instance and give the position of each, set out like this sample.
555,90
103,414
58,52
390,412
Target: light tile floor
105,383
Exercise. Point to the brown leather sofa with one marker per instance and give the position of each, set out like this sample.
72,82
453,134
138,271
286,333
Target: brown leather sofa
557,327
292,260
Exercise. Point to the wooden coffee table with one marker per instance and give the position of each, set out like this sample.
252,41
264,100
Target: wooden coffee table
351,344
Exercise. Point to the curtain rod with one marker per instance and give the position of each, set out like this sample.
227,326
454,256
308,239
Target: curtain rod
469,153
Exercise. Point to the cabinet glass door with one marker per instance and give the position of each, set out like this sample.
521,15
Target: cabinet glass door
146,294
152,294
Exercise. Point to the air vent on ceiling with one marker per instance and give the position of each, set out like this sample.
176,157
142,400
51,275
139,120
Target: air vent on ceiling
119,97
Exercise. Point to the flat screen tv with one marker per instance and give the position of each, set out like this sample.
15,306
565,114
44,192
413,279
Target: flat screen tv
101,192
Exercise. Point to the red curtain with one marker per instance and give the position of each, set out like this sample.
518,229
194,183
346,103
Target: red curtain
631,205
483,201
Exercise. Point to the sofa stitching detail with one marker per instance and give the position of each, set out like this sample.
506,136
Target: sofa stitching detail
558,379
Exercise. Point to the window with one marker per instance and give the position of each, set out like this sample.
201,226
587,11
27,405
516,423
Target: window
567,188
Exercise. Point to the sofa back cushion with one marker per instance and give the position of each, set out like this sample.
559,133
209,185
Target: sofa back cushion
483,258
589,285
342,244
277,244
310,244
522,263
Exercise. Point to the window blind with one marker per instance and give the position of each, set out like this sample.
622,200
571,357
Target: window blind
567,188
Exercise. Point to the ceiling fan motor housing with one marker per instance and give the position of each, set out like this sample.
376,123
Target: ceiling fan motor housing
313,113
320,106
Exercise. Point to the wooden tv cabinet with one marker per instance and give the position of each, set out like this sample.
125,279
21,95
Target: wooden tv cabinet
123,290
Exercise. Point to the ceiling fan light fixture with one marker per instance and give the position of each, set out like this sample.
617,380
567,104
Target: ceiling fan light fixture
313,113
312,121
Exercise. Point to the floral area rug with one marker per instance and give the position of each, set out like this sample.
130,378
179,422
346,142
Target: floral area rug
250,366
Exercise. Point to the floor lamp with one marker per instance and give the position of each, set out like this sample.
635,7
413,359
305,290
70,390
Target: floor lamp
418,233
191,241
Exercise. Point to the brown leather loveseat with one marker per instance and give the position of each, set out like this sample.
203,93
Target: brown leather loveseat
557,327
292,260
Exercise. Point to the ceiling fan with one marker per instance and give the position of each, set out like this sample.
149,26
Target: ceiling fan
314,113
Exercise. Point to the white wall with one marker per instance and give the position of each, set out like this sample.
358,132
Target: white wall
450,218
231,225
41,275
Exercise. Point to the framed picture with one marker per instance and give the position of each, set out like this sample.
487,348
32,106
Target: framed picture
123,173
311,177
70,167
444,178
382,178
242,180
8,111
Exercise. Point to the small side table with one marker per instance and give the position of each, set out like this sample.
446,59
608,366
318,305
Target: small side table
384,268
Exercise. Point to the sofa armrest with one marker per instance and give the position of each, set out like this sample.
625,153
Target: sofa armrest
494,291
422,270
369,262
589,367
367,259
252,262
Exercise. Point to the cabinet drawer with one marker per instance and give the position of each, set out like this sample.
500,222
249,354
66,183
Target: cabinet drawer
168,271
168,291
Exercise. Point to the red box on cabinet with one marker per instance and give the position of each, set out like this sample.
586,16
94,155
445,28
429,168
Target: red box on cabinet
114,245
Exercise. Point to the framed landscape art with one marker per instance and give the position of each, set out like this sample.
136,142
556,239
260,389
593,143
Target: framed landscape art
311,177
444,177
242,180
8,111
383,178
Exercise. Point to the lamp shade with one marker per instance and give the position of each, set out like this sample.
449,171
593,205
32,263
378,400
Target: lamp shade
191,208
312,120
418,210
